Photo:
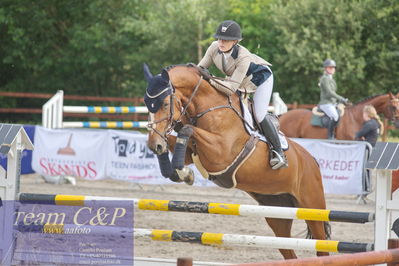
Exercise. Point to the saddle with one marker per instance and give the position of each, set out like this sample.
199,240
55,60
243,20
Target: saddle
252,125
320,119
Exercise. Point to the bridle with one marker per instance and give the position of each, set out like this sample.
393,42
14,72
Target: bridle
394,109
177,124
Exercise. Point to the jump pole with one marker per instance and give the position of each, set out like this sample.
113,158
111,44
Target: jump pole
206,238
363,258
205,207
54,108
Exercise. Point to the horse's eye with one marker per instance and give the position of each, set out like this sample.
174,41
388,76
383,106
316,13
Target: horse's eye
165,105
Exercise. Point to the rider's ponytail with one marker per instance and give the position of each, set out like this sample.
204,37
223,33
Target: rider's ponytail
372,113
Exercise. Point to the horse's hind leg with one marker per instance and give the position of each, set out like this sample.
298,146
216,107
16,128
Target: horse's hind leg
282,228
318,231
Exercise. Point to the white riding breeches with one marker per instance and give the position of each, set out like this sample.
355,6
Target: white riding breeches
262,97
330,110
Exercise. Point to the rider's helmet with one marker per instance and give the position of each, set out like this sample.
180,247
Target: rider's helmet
228,30
329,63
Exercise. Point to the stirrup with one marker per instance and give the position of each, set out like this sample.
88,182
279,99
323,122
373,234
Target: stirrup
278,161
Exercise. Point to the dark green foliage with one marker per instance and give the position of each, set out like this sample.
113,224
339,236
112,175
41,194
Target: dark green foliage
98,47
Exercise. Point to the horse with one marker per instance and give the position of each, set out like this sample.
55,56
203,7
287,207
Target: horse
395,181
296,123
216,134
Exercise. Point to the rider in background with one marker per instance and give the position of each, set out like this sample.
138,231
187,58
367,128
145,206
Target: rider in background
245,72
372,126
329,97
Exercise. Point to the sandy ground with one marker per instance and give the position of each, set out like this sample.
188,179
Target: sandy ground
205,222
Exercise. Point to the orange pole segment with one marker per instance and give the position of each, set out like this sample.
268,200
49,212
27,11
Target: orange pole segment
362,258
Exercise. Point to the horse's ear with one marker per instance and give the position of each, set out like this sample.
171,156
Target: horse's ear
165,74
391,96
147,73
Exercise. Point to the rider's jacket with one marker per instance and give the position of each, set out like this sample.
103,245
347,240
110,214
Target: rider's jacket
244,71
328,89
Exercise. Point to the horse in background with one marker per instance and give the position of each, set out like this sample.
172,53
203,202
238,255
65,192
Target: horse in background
210,128
296,123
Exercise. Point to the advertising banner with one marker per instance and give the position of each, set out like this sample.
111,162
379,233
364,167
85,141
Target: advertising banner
128,158
72,235
341,165
98,154
74,152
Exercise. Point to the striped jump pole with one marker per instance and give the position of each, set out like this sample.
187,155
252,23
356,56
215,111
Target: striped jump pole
253,241
105,124
204,207
106,109
54,108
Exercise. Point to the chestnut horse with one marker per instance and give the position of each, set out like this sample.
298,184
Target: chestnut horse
296,123
218,136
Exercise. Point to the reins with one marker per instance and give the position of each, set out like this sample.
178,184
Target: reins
174,124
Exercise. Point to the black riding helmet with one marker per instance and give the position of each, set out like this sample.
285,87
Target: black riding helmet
228,30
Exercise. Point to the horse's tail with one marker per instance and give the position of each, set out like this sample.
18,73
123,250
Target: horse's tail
327,229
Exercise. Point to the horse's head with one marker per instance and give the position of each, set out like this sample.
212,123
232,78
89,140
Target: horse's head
163,109
392,109
167,104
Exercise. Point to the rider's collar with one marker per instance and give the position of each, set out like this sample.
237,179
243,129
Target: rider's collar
233,51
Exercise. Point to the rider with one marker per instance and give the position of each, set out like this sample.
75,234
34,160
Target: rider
329,97
245,72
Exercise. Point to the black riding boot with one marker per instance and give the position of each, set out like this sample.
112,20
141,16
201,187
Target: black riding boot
278,159
331,128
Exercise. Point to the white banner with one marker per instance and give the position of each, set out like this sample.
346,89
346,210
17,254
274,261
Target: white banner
71,152
341,165
98,154
124,155
128,158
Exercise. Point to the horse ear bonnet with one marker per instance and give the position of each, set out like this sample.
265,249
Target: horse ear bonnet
158,88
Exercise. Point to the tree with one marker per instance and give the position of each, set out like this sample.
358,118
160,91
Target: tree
83,47
359,35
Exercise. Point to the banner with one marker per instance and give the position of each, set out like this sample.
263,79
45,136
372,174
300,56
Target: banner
69,152
97,154
128,158
341,165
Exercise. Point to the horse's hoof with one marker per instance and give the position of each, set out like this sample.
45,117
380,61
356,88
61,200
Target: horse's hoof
186,174
189,178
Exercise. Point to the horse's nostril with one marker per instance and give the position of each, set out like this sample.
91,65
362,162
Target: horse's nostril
159,148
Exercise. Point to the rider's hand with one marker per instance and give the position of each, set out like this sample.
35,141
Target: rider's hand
205,73
346,101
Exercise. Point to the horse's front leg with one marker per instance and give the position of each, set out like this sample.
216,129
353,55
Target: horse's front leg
168,171
182,155
172,142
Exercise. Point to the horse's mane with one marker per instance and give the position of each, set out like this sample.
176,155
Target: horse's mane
369,98
173,66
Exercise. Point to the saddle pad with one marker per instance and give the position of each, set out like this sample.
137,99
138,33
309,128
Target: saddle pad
249,120
316,121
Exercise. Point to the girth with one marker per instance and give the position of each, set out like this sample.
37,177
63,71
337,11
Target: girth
226,178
